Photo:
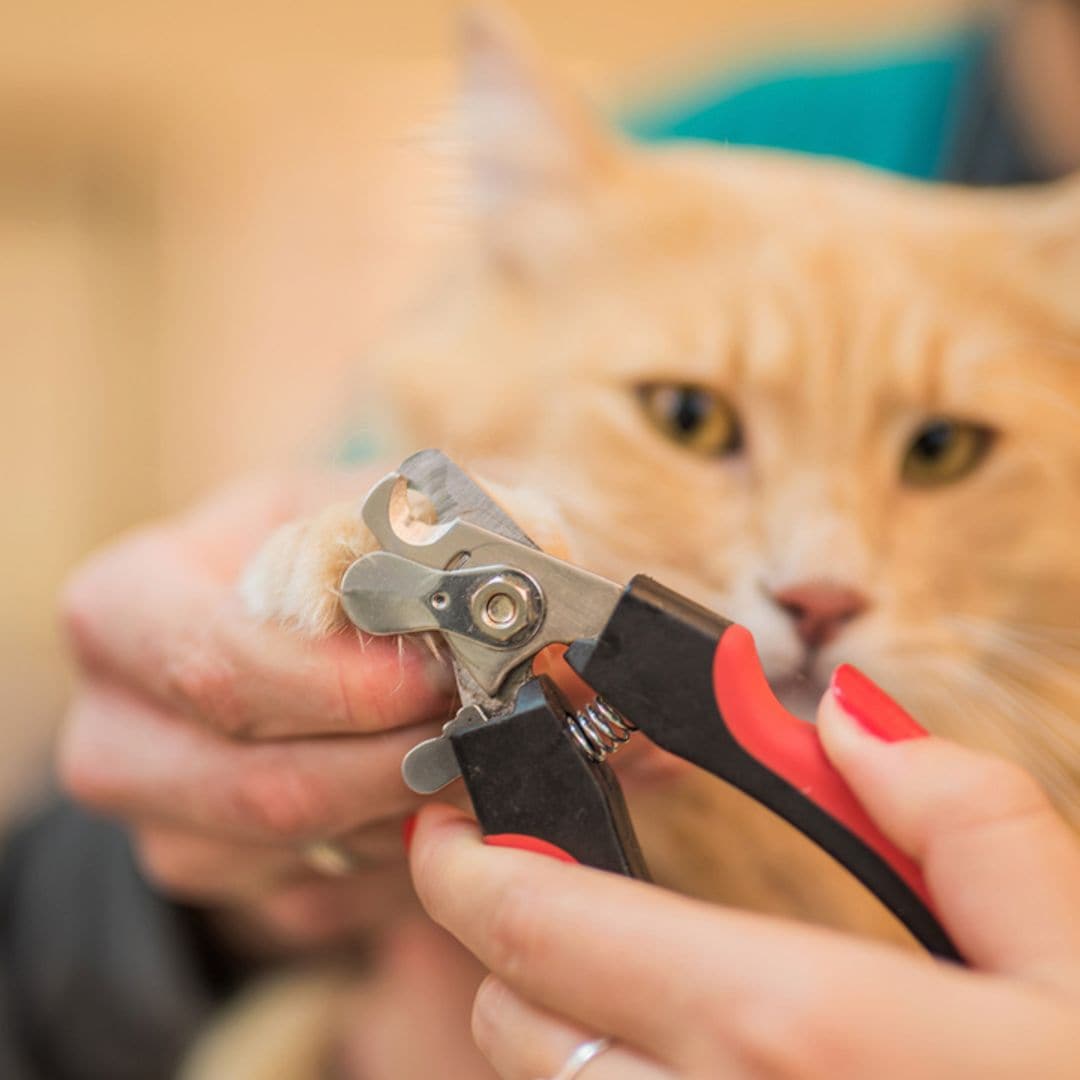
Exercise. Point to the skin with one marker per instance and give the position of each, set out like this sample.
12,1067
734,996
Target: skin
691,990
226,743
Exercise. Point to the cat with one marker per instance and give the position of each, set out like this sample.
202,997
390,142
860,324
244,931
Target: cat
836,406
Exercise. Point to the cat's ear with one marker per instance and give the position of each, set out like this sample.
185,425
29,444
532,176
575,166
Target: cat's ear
535,154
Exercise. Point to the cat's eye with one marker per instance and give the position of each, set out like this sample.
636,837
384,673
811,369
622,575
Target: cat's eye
692,416
942,451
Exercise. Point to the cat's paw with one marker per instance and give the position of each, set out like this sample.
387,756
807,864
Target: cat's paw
295,577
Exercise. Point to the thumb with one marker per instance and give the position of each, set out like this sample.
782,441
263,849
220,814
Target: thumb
1001,865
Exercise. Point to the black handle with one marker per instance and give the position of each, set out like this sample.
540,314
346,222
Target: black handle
526,776
660,662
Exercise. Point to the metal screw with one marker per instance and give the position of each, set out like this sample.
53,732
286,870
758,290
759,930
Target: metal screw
439,601
500,609
505,606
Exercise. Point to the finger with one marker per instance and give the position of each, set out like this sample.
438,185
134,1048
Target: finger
147,615
523,1042
540,925
694,986
318,912
1003,868
129,757
199,867
189,866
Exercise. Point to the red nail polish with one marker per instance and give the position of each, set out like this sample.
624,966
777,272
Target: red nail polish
408,827
875,711
529,843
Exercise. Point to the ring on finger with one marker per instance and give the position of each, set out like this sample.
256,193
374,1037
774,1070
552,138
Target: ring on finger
580,1057
331,858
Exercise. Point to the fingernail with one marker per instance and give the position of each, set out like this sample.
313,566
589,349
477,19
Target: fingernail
529,843
408,827
873,709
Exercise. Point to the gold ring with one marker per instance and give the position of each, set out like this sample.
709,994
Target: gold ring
331,858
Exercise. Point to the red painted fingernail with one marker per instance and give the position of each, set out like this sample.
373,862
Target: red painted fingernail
874,710
408,827
529,843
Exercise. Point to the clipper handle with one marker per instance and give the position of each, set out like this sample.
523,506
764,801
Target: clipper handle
526,776
692,682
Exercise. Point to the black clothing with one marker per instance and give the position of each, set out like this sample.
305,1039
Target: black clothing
100,978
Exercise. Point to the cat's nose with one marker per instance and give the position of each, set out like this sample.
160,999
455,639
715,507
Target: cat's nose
820,609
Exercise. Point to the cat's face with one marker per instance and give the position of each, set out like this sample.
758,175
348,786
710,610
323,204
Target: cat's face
839,409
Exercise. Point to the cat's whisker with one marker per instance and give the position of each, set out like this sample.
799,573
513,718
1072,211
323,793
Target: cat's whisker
1054,766
1037,631
1012,644
1064,732
1047,747
943,707
399,641
993,709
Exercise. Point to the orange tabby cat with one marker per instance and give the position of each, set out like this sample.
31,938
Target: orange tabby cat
837,407
840,408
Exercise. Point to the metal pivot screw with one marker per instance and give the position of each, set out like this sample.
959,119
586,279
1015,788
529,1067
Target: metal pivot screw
504,606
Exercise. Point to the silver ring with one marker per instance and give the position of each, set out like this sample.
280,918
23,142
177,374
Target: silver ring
581,1057
331,858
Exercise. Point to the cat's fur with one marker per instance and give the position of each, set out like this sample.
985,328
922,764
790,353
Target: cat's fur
836,308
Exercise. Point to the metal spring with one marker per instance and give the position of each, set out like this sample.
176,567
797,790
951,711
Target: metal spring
599,730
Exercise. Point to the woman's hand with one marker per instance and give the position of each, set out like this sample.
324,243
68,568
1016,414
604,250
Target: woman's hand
688,990
230,745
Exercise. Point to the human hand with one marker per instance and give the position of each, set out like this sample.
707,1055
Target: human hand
687,990
227,743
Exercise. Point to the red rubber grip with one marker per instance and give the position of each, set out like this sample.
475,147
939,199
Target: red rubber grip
790,748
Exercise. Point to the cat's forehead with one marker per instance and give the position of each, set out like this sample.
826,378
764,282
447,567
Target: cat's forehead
769,269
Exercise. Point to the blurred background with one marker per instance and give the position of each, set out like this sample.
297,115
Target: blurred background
208,210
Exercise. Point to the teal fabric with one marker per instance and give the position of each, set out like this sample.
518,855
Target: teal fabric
891,108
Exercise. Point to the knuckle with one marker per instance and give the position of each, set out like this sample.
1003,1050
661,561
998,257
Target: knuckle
282,803
515,930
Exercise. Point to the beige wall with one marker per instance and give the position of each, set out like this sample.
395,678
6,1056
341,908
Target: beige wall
206,210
